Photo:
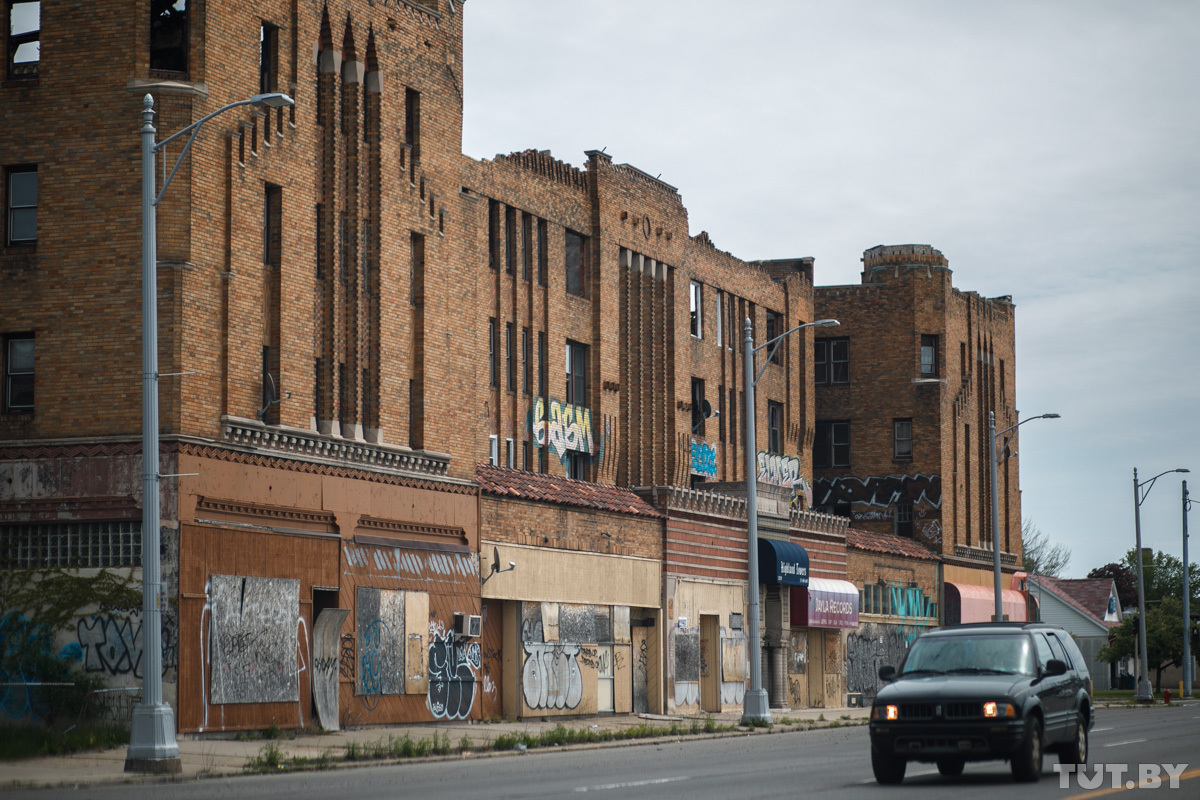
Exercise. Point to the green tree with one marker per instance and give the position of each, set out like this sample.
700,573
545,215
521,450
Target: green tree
1164,642
1162,575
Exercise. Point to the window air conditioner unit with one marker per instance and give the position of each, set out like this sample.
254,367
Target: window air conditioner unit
467,626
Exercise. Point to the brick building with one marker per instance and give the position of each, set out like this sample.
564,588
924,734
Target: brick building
904,388
353,316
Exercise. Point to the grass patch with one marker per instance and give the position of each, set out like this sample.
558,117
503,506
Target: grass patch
30,741
271,759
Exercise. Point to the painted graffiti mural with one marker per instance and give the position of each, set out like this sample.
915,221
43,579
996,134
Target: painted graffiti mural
704,459
781,470
452,668
253,639
551,677
880,492
563,428
871,646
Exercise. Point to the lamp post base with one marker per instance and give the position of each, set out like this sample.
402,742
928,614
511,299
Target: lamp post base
152,745
1144,693
756,710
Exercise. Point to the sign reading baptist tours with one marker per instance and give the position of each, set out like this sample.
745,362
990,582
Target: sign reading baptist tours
791,573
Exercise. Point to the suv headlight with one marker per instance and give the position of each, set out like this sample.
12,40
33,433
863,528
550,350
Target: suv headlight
889,713
993,709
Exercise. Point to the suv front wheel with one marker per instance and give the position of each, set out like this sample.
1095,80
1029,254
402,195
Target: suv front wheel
887,769
1027,761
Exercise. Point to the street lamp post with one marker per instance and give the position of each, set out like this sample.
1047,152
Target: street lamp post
1187,598
1143,694
756,708
152,745
999,616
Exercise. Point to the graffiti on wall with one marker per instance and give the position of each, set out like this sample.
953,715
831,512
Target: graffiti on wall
253,638
562,427
379,620
781,470
551,677
871,646
452,668
880,492
704,459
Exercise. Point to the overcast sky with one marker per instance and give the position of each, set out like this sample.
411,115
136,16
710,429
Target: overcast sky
1051,150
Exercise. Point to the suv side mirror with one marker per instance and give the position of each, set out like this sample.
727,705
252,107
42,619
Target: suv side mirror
1056,667
887,673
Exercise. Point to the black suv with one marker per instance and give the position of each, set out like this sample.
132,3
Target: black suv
986,691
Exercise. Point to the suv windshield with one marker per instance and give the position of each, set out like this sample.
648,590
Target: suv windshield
980,653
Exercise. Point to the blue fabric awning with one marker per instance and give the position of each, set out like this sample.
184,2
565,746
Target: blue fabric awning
782,563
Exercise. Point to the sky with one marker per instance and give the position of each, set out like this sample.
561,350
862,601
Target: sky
1049,148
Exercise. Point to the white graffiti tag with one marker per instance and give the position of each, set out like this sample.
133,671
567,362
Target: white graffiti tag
551,677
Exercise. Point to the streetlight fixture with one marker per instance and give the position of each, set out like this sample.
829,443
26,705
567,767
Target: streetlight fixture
999,616
1144,694
755,708
152,745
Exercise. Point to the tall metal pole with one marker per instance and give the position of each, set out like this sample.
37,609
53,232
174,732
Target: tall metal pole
1144,693
755,708
152,745
999,617
1187,597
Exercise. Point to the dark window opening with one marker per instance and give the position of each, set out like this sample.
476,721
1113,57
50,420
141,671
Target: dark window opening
831,361
902,439
412,124
526,247
526,362
775,328
510,356
904,519
576,466
169,35
698,415
24,39
268,58
929,355
775,426
493,354
21,201
576,373
575,267
493,234
510,240
543,255
831,444
19,372
696,309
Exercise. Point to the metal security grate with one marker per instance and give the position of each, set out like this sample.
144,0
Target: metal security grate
71,544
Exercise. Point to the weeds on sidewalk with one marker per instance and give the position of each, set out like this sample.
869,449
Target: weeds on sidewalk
271,759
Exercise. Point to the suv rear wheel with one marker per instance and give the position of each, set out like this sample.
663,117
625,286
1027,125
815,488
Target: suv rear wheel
887,769
1076,751
1027,761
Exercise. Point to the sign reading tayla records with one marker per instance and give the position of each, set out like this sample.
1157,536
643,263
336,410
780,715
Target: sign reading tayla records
781,470
565,428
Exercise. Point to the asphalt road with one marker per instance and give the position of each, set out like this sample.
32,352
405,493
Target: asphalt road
830,764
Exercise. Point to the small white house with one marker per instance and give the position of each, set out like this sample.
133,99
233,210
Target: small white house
1088,608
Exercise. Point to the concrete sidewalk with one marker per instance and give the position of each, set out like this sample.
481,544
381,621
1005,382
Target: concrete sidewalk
210,755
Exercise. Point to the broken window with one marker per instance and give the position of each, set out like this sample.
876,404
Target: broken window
576,276
268,58
24,39
169,35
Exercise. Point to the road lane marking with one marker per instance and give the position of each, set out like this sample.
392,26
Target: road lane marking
609,786
906,774
1118,744
1187,776
1100,730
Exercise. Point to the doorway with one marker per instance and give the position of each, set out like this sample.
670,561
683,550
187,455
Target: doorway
710,663
816,668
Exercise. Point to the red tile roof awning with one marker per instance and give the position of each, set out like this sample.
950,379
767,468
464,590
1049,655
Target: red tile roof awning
967,603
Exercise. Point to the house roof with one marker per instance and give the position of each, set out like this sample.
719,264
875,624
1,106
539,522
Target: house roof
889,543
543,488
1089,596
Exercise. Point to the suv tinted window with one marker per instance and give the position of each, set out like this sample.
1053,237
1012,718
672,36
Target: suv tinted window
1043,649
1059,651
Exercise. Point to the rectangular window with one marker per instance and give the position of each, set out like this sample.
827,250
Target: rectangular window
696,307
775,426
493,234
831,445
412,123
902,439
510,240
527,246
575,267
268,58
526,362
416,275
21,196
576,373
38,545
929,355
831,361
543,259
720,318
169,35
733,415
698,401
775,328
18,372
576,465
543,372
904,519
493,354
510,355
24,39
